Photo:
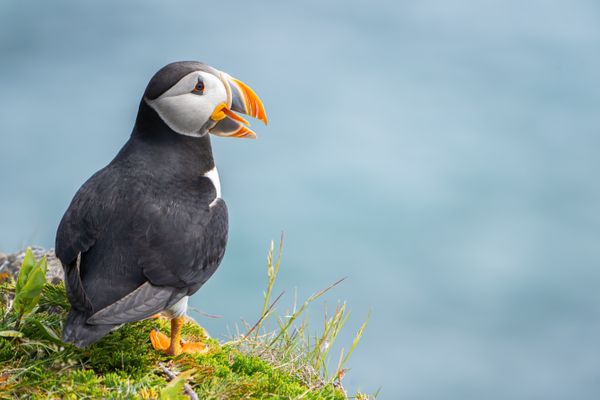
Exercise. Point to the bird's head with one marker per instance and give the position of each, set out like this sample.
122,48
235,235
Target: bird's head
194,99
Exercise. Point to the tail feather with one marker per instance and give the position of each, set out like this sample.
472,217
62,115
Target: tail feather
140,304
78,332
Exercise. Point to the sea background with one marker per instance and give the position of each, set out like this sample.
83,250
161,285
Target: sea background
441,155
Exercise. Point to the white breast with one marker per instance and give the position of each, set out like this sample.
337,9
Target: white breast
213,175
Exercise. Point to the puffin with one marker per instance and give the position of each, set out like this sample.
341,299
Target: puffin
148,230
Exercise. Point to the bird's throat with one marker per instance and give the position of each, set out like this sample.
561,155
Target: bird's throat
177,153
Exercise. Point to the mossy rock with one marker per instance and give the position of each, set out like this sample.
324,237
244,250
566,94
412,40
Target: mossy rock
124,365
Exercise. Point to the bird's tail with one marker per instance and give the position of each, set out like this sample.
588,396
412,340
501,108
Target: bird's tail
77,331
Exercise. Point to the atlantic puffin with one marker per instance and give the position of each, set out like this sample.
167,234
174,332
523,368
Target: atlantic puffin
149,229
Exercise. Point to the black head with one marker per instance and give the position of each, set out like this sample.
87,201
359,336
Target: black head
170,74
194,99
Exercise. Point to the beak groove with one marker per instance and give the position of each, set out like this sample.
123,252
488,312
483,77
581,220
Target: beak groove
254,106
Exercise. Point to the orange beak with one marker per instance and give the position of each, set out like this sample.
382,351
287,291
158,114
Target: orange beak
241,99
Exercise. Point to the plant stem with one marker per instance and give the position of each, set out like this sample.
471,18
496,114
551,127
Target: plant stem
18,322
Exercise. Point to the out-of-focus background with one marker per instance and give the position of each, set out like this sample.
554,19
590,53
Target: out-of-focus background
443,155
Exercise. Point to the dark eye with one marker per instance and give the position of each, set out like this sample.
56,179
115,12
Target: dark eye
199,88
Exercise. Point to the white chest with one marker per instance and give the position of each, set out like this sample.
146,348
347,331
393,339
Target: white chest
213,175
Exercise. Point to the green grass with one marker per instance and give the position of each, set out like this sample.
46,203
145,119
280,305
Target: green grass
283,364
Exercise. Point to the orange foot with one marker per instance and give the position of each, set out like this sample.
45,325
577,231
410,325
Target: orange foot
194,347
161,342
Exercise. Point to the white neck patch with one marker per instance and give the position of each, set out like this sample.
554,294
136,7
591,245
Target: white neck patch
213,175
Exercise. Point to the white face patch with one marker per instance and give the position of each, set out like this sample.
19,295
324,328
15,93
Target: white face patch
185,112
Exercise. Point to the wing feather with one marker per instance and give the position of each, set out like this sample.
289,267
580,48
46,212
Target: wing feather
142,303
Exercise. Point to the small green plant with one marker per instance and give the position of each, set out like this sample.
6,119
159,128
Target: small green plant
30,282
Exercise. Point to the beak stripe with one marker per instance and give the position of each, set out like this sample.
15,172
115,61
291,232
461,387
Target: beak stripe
240,99
234,116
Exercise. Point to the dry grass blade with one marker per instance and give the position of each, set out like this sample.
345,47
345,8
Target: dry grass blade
265,314
204,313
327,289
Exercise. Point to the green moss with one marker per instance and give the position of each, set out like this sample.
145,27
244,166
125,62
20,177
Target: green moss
124,365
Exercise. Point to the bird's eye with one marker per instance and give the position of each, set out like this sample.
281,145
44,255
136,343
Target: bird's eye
199,88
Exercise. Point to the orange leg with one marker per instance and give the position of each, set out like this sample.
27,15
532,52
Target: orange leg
174,346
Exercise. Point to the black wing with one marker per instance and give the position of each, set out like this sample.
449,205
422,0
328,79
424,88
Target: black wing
82,221
78,231
178,250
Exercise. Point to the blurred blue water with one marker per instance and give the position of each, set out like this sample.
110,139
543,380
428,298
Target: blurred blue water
442,155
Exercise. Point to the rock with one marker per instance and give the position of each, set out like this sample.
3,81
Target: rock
12,262
3,258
